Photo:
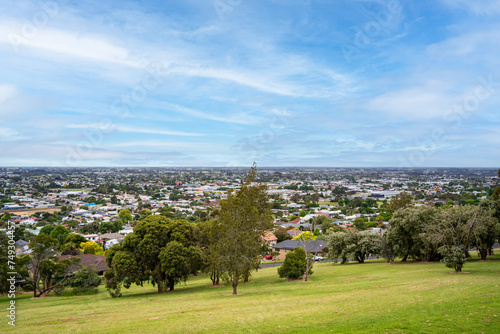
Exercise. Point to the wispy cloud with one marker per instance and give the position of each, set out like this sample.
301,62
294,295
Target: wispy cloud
69,43
132,129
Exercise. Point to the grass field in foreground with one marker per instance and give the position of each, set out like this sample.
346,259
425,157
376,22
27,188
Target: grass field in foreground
372,297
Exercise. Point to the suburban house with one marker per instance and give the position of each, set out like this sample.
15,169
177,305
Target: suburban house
22,247
91,237
314,247
270,238
111,239
99,261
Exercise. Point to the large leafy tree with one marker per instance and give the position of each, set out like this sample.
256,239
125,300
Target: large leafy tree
147,254
59,233
353,244
456,229
405,233
244,218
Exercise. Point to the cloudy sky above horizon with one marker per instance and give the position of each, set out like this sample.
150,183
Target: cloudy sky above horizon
358,83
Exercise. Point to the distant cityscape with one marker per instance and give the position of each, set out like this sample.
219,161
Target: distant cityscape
80,198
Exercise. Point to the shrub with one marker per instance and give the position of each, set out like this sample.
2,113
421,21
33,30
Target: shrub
453,257
294,265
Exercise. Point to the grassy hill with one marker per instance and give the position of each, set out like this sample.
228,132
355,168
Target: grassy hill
373,297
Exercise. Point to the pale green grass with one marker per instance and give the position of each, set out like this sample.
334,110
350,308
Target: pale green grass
372,297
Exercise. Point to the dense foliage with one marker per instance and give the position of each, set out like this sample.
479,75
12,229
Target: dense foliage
294,265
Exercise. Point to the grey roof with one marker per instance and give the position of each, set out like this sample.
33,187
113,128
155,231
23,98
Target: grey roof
21,242
315,246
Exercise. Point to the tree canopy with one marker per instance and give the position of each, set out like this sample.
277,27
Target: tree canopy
159,250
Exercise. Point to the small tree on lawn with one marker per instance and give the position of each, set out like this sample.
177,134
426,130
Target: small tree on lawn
453,257
294,266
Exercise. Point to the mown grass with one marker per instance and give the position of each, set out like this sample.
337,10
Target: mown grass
374,297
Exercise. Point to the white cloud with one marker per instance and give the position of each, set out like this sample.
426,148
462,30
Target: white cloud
69,43
312,82
8,134
470,47
412,103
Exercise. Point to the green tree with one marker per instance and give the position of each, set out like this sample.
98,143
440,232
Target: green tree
208,241
178,261
106,227
47,274
294,265
360,224
353,244
125,216
387,249
59,233
405,233
90,228
244,217
72,242
326,223
143,254
282,234
400,201
47,229
454,232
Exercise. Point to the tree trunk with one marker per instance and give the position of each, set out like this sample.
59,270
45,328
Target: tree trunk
483,252
404,258
234,283
160,280
171,284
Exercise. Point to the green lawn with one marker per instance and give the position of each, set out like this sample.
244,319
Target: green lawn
372,297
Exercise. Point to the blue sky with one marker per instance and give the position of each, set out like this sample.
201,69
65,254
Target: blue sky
367,83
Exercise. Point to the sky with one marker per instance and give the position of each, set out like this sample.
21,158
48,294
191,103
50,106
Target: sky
345,83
